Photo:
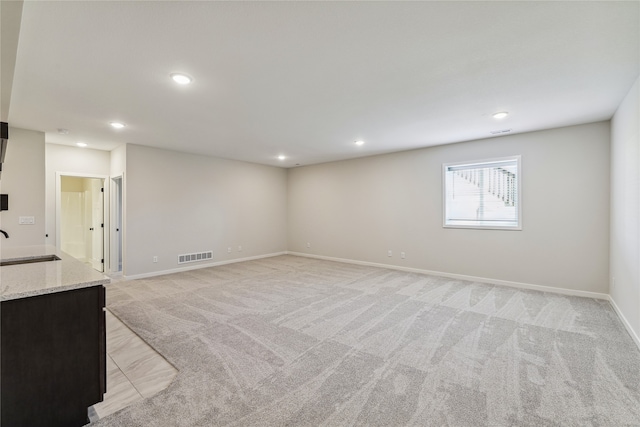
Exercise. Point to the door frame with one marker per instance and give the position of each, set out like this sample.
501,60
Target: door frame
105,211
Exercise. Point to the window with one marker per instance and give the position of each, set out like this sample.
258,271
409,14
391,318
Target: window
483,194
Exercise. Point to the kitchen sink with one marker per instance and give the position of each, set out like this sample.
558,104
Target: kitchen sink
32,260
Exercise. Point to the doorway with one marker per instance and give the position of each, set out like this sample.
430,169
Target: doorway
82,219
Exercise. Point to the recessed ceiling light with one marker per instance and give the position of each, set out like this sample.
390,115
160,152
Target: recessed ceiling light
81,144
500,115
117,125
281,157
180,78
359,142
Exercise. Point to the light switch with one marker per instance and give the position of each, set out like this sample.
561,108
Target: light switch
27,220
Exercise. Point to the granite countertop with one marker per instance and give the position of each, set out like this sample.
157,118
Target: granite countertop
27,280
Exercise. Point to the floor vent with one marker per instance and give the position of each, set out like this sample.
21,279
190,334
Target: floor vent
195,257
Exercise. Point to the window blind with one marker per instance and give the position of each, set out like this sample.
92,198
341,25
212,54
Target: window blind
484,194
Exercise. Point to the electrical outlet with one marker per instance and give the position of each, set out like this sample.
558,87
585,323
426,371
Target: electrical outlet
229,250
155,259
389,253
402,255
239,248
308,244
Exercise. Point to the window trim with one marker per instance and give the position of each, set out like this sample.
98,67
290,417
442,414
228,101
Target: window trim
445,166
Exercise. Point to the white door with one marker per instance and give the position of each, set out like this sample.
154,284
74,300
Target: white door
95,199
116,223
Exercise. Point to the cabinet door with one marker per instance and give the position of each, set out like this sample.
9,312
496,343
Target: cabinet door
103,342
52,358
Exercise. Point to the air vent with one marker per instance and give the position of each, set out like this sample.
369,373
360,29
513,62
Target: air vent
195,257
498,132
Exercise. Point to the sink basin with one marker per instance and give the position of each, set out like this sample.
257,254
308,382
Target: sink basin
43,258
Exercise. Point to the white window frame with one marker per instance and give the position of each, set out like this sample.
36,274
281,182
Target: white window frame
445,167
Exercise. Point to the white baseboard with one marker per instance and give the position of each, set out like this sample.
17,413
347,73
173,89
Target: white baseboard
625,322
198,266
519,285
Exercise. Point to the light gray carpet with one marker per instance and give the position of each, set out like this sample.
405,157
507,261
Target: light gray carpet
291,341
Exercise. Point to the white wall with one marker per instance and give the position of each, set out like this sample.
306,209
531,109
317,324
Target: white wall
359,209
72,160
23,180
182,203
625,208
118,161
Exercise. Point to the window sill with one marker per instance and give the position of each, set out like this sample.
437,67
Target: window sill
484,227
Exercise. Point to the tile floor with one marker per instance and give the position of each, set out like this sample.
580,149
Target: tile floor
135,371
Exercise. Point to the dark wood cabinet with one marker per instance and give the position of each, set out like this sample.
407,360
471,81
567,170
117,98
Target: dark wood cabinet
53,358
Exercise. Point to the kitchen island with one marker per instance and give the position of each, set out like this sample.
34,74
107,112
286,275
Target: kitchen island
53,342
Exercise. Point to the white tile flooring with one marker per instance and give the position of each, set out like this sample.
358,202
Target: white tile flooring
135,371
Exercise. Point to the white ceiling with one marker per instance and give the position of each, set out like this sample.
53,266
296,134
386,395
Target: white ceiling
307,79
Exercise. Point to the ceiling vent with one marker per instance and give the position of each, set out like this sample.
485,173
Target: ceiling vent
498,132
195,257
